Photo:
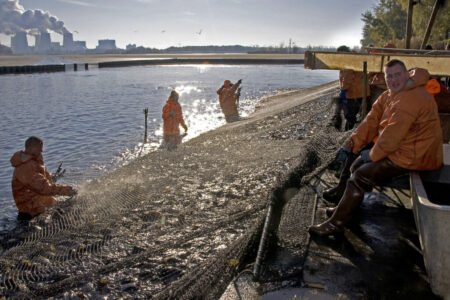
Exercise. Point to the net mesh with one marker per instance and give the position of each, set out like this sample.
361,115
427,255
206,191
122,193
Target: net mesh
173,224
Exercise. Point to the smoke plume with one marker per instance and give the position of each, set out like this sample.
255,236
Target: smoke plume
14,18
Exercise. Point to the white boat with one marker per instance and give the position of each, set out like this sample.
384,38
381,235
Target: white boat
430,193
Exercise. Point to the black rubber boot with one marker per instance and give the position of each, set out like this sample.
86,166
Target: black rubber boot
336,122
329,211
335,194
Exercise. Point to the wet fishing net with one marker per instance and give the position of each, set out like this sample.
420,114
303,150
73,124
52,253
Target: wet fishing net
173,224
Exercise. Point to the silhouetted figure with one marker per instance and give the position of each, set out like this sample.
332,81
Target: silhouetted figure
173,117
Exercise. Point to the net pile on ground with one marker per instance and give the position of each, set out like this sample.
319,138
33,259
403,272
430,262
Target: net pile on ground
171,223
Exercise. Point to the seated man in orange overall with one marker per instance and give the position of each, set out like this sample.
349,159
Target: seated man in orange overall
32,186
173,118
228,100
405,129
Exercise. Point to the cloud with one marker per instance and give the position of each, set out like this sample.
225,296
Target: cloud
77,2
14,18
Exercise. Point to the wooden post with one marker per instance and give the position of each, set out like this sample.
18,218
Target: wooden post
364,99
408,24
437,4
146,121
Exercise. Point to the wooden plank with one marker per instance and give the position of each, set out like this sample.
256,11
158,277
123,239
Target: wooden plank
436,65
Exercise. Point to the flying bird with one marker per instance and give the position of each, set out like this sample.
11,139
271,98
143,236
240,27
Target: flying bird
162,31
200,32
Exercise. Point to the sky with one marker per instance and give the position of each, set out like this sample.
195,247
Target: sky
164,23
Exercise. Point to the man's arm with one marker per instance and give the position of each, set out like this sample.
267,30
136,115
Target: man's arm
368,129
38,182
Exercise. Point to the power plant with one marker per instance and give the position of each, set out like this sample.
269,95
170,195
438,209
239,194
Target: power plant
44,45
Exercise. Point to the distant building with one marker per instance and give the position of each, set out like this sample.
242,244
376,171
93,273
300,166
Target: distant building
19,43
131,46
68,44
55,46
106,45
79,45
43,43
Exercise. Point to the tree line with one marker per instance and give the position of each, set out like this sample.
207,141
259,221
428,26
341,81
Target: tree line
386,23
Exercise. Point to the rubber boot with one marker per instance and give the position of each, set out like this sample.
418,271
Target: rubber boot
336,120
343,213
329,211
335,194
349,125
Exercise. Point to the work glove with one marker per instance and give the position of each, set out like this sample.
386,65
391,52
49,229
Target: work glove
73,192
239,81
365,155
343,94
342,154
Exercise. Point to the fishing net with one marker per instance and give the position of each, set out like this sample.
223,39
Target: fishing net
173,224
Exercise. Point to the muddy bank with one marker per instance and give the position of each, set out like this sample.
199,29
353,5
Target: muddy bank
166,215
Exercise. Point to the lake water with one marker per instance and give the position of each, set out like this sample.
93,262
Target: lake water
93,120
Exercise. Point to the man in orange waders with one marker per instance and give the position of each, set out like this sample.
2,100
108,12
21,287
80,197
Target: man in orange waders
173,117
228,100
32,185
405,129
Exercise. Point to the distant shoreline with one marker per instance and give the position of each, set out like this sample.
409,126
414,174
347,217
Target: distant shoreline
223,58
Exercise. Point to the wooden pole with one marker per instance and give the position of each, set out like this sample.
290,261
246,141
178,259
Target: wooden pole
364,100
408,24
146,121
437,4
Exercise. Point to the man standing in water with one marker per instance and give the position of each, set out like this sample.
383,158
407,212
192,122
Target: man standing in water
173,118
405,128
32,186
228,100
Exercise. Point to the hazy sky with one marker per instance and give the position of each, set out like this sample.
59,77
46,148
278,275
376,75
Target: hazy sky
164,23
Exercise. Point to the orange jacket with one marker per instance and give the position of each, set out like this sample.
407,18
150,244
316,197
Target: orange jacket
228,99
172,123
352,81
32,185
404,126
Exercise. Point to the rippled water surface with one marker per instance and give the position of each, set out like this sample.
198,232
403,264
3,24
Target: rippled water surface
93,120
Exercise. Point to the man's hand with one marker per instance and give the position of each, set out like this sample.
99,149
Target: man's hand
365,155
73,192
343,94
185,128
239,81
172,112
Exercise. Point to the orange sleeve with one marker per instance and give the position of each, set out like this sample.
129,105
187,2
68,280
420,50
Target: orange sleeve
368,129
38,182
180,116
234,87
